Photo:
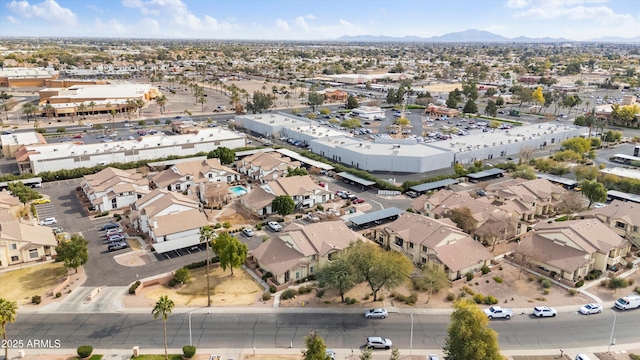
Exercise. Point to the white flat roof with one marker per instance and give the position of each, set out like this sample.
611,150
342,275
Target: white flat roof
319,131
109,91
278,119
401,148
60,150
27,138
622,172
22,72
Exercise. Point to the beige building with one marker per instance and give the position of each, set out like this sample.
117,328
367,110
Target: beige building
22,242
623,217
435,244
112,188
571,249
299,251
266,166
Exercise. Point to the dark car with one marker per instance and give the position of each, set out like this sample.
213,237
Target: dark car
109,226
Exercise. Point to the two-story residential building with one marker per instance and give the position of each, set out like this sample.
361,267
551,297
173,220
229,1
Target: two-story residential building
436,244
24,242
266,166
623,217
300,250
157,203
573,248
528,198
302,189
185,176
176,230
112,188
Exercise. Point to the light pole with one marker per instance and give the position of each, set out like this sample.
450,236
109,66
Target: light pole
613,327
411,338
190,341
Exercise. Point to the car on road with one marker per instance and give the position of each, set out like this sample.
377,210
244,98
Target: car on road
117,246
590,309
274,226
497,312
41,201
377,342
77,136
110,226
544,311
87,124
49,221
376,313
248,232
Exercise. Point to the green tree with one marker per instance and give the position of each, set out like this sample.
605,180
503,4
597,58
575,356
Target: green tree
538,96
352,123
74,252
283,205
593,191
469,336
352,102
459,169
500,101
8,314
339,275
182,275
463,218
261,102
206,235
296,171
490,92
491,109
160,100
316,348
452,101
470,107
585,172
380,269
230,250
226,155
162,309
23,192
29,109
432,280
315,100
577,144
470,90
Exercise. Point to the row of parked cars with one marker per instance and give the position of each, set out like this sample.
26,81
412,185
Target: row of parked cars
343,194
114,237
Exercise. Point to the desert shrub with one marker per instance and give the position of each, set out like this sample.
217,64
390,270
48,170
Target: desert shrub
579,283
304,290
380,297
84,351
272,289
490,300
118,217
478,298
134,286
259,227
541,298
468,290
631,282
469,276
288,294
58,294
638,289
182,276
573,292
172,283
604,283
634,357
266,296
413,298
546,291
188,351
319,293
217,226
485,270
195,265
365,297
352,301
497,279
618,283
36,299
546,283
451,296
531,278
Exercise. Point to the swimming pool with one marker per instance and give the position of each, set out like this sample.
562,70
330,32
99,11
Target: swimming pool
238,190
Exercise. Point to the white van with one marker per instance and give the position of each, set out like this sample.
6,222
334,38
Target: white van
628,302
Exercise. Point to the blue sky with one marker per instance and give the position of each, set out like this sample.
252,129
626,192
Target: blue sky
317,20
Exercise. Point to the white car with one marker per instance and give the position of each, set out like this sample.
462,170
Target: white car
591,309
87,125
247,232
433,357
131,138
274,226
49,221
598,205
544,311
377,342
376,313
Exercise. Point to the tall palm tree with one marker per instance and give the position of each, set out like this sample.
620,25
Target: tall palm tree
206,235
161,101
163,309
29,109
82,108
8,313
139,105
92,105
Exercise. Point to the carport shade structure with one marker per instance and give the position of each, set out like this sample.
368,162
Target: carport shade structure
435,185
374,216
567,183
355,179
485,175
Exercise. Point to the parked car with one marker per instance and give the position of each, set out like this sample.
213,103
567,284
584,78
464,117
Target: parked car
116,237
110,226
36,185
376,313
412,194
41,201
591,309
544,311
628,302
497,312
247,232
113,232
56,230
49,221
433,357
274,226
117,246
357,201
377,342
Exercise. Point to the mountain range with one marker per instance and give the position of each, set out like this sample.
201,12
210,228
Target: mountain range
473,35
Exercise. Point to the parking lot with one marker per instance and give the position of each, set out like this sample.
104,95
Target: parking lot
45,211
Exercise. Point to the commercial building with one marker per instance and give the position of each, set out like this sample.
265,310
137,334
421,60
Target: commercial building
26,77
11,143
58,156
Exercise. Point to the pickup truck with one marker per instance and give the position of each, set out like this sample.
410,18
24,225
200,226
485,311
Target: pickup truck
496,312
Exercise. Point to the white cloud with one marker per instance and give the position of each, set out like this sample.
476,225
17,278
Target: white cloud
600,13
282,25
310,16
517,4
48,10
301,23
12,20
95,8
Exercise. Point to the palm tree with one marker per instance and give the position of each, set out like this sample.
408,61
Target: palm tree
29,109
206,235
161,101
8,313
92,105
139,105
49,110
163,309
82,108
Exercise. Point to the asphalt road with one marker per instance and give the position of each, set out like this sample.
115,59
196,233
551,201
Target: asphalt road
340,330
